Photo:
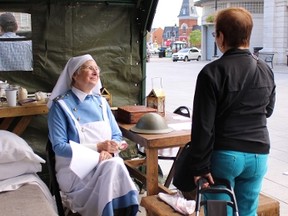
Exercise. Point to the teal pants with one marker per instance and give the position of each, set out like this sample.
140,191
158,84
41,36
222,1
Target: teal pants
245,172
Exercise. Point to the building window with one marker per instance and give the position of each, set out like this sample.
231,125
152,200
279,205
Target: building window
184,28
184,11
252,7
256,7
168,34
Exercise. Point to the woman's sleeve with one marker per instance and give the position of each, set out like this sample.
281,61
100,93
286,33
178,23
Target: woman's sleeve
203,119
272,98
58,126
116,132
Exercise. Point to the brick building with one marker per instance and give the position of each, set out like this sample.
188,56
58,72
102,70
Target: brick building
187,22
154,38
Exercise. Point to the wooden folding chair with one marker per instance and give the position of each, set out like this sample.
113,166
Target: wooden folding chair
184,111
53,184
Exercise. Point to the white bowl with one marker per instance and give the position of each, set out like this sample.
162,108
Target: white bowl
4,85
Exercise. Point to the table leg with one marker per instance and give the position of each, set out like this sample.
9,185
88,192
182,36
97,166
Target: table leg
152,171
5,123
172,169
22,125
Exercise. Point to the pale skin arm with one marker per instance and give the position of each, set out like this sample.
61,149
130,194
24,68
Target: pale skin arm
208,177
107,148
110,146
104,155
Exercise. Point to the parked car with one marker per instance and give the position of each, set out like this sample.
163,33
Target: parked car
154,50
187,54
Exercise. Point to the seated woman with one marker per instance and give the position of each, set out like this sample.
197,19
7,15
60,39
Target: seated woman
79,113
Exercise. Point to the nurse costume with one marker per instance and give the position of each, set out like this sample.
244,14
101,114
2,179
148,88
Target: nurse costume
87,119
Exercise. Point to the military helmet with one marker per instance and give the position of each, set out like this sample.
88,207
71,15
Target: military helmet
151,123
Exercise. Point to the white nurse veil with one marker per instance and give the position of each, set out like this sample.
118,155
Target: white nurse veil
64,81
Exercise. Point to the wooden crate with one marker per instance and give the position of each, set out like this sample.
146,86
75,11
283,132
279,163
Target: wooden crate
131,114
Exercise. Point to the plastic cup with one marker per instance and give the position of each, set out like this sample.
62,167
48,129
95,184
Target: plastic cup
11,96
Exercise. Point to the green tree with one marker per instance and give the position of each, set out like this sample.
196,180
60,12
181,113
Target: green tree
195,38
210,19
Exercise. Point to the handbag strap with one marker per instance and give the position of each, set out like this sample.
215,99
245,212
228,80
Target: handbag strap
248,81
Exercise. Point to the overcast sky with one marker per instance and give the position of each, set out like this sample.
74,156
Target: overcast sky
167,13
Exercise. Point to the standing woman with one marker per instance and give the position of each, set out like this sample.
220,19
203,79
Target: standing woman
232,141
79,113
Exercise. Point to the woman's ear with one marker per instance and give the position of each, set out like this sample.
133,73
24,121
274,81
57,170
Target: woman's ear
74,77
221,41
221,38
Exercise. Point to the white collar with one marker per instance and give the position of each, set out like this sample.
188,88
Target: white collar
80,94
11,35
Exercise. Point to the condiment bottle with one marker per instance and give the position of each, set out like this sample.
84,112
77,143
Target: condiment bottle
22,94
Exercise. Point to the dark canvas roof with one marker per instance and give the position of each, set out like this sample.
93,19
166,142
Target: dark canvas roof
113,32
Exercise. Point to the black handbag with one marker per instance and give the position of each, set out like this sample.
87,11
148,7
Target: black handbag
183,177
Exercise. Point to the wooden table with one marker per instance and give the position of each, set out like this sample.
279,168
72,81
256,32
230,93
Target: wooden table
16,119
152,143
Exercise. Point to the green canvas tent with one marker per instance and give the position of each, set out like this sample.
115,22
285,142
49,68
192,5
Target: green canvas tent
112,31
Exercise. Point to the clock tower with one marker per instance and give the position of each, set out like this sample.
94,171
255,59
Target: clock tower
188,18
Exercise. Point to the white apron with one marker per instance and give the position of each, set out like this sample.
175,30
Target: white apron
109,180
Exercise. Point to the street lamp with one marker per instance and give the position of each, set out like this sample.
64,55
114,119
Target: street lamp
174,37
173,33
215,45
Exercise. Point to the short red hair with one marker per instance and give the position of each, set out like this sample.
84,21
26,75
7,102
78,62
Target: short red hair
236,25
